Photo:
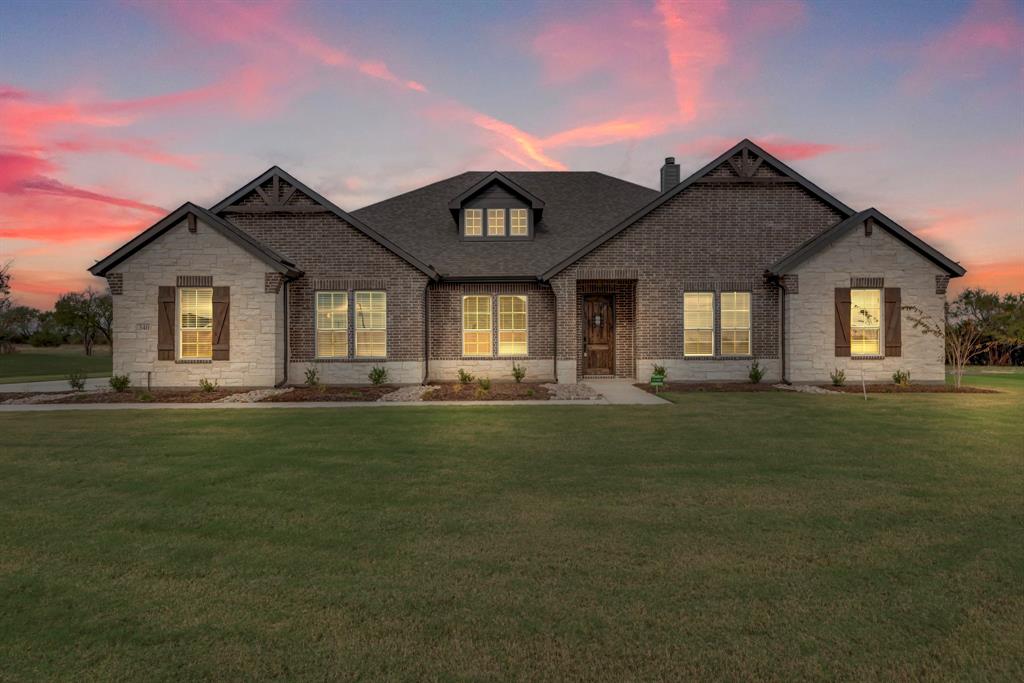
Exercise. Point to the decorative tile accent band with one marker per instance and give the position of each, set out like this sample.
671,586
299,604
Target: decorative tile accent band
272,282
867,282
941,284
607,274
792,283
195,281
337,283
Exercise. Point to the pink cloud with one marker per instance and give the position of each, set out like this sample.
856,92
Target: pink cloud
144,149
990,33
999,276
49,186
696,46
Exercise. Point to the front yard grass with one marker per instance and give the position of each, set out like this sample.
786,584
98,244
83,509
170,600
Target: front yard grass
729,536
31,364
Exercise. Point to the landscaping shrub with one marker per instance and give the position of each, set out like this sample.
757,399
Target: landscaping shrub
756,373
659,370
76,379
206,386
838,377
901,378
518,372
120,383
379,374
485,383
45,337
312,376
465,377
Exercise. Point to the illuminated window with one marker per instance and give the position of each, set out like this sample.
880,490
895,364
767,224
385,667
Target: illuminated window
736,323
518,224
476,325
332,324
371,324
865,322
698,324
512,325
495,222
196,322
474,222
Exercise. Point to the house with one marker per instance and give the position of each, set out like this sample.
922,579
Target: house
568,274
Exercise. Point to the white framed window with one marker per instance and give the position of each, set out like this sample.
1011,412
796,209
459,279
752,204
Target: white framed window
519,224
495,222
735,324
865,322
476,326
371,324
332,324
196,318
698,324
512,328
473,222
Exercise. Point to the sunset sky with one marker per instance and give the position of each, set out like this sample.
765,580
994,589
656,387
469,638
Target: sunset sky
112,114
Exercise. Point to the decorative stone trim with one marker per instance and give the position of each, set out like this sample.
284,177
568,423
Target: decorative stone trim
856,358
941,284
195,281
272,282
870,282
193,361
340,284
607,274
791,283
116,283
698,285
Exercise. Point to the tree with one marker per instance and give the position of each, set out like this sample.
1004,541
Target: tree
19,322
84,314
6,340
961,334
999,319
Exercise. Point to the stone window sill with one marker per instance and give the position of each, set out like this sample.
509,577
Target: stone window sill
706,358
361,359
867,357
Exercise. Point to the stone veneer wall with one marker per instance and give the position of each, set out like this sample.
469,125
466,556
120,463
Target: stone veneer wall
718,236
255,319
810,314
445,306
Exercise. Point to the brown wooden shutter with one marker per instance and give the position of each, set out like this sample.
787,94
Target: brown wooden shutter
221,323
165,323
842,321
893,316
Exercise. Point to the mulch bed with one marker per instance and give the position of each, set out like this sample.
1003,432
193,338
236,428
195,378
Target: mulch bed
499,391
153,396
332,393
686,387
909,389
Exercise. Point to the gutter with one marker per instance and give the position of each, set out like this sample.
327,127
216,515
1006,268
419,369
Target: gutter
777,281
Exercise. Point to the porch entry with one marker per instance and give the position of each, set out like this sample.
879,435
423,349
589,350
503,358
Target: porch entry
598,334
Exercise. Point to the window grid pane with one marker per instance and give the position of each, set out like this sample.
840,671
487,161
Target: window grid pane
736,323
196,332
512,330
332,324
476,326
495,222
865,322
518,224
371,324
474,220
698,323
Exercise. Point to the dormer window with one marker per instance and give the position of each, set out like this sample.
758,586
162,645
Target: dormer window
519,225
474,220
495,222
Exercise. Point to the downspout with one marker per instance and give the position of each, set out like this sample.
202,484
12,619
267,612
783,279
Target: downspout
555,360
284,291
782,325
426,332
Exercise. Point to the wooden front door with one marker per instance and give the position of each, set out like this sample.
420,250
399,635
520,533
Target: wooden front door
598,335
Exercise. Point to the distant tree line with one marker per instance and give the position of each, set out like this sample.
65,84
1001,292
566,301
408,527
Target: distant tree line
84,318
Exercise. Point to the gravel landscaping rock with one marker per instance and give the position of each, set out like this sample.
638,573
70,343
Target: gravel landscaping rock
253,396
411,393
39,398
804,388
571,392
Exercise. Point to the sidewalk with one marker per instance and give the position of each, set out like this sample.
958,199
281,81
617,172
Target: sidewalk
58,385
621,392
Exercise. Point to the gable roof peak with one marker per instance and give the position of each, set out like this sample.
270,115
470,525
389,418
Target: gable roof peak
535,202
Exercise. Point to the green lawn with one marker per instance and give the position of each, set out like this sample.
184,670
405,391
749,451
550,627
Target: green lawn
726,536
40,364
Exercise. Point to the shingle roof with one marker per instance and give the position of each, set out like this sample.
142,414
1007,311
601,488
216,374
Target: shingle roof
578,207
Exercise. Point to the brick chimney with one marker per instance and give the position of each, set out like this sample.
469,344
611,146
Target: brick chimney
669,174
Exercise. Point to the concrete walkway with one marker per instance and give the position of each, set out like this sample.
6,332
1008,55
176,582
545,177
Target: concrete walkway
622,392
59,385
53,407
